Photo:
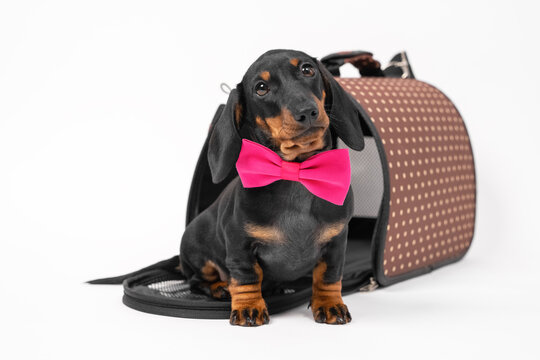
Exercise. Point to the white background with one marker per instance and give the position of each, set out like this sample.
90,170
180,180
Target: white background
104,106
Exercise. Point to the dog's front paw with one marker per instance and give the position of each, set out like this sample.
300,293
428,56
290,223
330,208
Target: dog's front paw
332,311
253,313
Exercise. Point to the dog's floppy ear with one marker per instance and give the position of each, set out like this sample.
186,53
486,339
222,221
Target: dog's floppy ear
343,111
225,142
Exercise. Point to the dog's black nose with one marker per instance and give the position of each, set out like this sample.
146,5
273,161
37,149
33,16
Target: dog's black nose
307,115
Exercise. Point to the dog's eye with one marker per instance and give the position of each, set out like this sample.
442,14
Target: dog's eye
261,88
307,70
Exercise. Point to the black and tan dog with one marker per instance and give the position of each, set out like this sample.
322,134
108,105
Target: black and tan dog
252,239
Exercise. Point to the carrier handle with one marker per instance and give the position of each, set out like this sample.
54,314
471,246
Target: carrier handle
362,60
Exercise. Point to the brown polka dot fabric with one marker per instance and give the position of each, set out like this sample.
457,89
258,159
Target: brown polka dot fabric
431,171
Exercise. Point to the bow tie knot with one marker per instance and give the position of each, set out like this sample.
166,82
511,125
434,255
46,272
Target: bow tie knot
326,175
290,170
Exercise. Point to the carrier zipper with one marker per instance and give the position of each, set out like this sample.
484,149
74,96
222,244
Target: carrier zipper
369,287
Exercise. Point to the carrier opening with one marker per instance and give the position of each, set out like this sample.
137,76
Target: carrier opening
367,186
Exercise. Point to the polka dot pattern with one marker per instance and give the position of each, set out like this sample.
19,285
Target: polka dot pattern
431,168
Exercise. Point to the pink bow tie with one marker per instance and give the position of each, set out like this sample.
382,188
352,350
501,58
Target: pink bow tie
326,175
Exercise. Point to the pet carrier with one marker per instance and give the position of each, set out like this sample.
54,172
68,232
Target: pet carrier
414,186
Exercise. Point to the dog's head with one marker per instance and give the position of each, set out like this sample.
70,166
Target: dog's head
289,102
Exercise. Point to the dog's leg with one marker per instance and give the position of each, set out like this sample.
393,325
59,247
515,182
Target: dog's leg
326,302
201,254
248,307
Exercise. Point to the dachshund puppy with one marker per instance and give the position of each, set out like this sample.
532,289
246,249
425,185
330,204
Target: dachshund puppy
251,239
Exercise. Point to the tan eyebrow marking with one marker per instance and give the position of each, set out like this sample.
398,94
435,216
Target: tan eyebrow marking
294,62
265,75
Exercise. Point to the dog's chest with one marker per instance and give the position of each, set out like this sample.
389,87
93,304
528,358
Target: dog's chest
291,251
290,227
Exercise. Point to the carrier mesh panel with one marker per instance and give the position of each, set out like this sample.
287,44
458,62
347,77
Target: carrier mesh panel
172,288
431,171
366,179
